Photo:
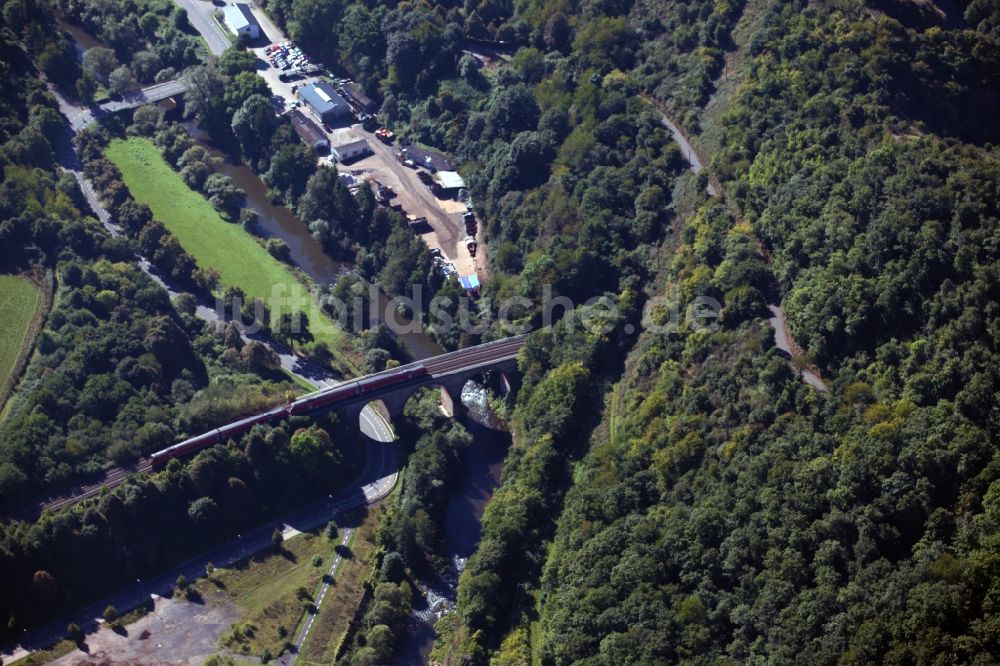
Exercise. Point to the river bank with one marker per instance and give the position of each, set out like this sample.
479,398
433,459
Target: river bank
481,466
306,253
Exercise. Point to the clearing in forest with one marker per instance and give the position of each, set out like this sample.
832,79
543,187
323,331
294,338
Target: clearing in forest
21,300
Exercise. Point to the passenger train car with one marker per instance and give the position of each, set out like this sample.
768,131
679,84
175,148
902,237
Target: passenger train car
309,404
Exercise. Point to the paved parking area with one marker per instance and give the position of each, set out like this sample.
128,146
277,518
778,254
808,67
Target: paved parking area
444,216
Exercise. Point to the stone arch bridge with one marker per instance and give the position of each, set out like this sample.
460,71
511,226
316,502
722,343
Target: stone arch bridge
449,372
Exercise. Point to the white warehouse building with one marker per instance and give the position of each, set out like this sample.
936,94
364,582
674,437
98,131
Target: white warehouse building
239,19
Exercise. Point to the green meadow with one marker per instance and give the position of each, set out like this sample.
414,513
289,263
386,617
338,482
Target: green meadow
20,300
214,243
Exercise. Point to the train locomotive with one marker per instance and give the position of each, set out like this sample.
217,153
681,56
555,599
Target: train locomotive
306,405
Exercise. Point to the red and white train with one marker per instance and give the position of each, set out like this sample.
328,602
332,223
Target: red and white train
306,405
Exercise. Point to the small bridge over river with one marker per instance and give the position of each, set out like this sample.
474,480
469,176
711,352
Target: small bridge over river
148,95
81,117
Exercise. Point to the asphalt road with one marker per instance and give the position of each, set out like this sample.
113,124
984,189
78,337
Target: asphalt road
200,15
80,116
374,483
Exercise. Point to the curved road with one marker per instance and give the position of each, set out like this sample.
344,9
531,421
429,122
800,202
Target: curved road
373,484
782,336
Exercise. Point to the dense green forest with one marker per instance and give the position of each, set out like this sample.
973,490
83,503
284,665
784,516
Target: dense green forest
119,370
671,495
726,512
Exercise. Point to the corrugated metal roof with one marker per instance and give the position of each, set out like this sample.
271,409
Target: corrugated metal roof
322,98
239,16
307,129
450,180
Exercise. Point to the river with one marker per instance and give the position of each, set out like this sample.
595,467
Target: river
306,252
277,221
481,465
84,40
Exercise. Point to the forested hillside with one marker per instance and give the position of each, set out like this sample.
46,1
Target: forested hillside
675,493
728,513
725,510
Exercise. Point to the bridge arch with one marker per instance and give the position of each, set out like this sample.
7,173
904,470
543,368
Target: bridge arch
447,394
374,421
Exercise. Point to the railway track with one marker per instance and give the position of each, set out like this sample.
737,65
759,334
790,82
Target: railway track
498,350
491,351
113,477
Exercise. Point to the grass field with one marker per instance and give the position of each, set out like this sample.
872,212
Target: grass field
21,300
215,243
343,598
264,588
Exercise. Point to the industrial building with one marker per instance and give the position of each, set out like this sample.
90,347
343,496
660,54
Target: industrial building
449,182
352,150
356,94
324,102
240,20
309,132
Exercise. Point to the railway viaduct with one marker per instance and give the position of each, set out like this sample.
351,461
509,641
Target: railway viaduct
449,371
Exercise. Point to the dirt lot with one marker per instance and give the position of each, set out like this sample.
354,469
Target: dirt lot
176,632
445,216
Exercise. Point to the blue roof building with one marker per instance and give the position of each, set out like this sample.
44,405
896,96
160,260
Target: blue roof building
469,282
324,102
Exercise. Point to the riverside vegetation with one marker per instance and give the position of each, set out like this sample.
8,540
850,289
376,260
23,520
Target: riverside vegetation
732,513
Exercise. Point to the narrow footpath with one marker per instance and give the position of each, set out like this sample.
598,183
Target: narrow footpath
290,656
783,338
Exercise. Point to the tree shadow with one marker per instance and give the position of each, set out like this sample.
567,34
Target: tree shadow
344,551
120,630
194,596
